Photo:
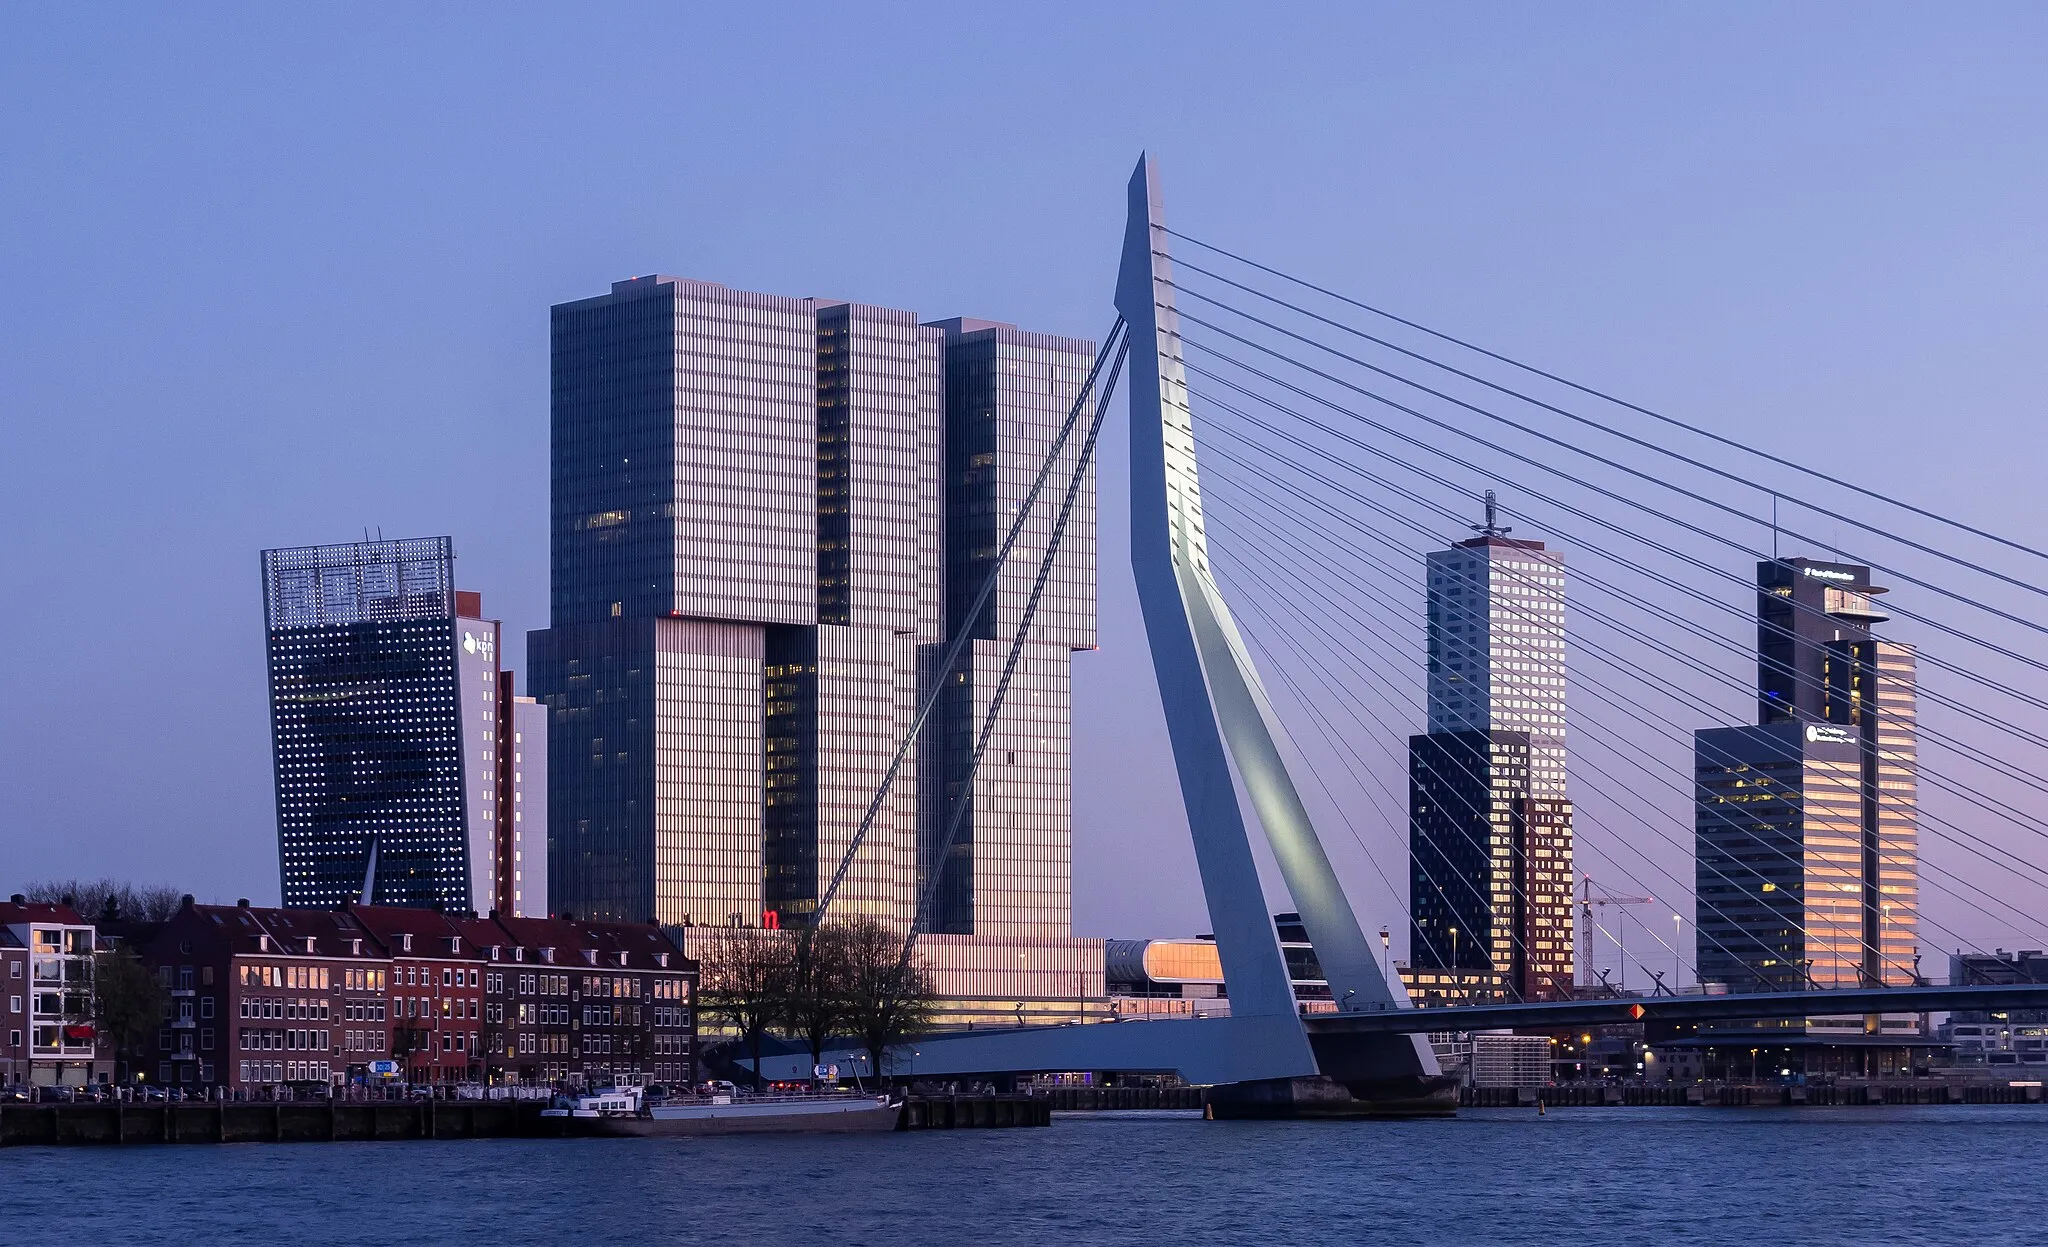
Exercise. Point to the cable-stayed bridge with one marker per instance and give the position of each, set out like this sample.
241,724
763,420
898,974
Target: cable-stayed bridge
1299,460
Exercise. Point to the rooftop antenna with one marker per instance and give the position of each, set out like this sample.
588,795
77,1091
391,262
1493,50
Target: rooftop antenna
1489,528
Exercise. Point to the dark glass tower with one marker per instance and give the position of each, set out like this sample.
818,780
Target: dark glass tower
385,719
1475,871
1808,821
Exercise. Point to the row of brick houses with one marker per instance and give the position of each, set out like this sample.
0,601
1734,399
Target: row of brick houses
263,996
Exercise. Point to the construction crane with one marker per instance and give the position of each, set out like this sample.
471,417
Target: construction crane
1586,902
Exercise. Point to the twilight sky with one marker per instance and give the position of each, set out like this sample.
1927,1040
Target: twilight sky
273,276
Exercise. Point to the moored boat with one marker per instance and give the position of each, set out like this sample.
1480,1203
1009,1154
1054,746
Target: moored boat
623,1111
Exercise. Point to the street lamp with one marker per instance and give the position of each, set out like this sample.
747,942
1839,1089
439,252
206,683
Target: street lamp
1677,957
1457,974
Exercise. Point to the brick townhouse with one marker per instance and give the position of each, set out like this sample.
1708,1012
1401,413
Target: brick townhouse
436,993
595,1002
262,996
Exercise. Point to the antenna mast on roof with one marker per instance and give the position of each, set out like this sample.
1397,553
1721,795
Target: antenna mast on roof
1489,528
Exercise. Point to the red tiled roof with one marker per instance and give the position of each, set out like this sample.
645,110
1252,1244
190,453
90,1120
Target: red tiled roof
19,913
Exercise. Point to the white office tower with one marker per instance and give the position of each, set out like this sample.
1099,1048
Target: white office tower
1496,645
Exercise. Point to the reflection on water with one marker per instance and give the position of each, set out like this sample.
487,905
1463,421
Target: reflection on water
1572,1176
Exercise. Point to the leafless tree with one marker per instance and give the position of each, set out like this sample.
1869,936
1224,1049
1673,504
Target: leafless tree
888,998
137,903
816,1004
744,980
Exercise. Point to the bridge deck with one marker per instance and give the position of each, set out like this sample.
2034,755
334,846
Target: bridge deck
1566,1013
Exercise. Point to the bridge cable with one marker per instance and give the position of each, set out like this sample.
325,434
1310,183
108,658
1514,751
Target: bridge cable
1334,644
1116,341
1582,679
1711,569
1672,691
1971,795
1568,414
1648,478
1322,569
1619,402
1983,800
1300,653
965,798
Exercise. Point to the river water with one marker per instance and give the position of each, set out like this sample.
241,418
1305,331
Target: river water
1935,1175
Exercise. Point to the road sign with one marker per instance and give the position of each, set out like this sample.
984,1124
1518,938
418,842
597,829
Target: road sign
388,1069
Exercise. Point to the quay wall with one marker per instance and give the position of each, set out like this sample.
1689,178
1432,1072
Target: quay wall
1106,1099
974,1112
29,1125
1751,1095
48,1124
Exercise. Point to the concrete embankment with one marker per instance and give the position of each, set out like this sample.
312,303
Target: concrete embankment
266,1123
23,1125
974,1112
1110,1099
1752,1095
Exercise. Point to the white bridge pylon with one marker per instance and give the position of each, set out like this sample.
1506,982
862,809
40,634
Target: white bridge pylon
1211,693
1212,697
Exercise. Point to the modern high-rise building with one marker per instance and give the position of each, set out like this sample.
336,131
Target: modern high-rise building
1009,869
764,511
1808,822
526,844
388,713
1490,826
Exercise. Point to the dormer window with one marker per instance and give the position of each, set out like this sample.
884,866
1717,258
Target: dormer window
662,960
518,953
405,943
454,945
355,948
494,952
622,958
590,956
548,955
262,943
309,946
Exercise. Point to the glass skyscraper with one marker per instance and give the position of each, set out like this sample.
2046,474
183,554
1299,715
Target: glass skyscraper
1490,826
762,512
1808,821
389,707
1009,868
